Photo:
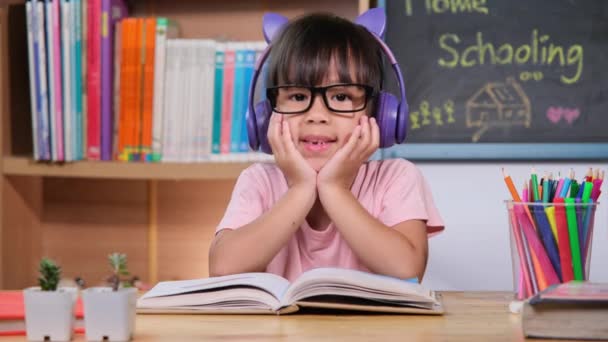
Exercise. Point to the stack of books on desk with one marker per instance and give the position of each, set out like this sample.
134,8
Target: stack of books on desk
574,310
266,293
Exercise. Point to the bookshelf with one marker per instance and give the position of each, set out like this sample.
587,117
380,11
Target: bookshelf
162,215
25,166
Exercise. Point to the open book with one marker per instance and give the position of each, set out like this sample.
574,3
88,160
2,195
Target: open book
257,293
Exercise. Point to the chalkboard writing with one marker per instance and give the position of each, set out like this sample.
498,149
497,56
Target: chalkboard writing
503,71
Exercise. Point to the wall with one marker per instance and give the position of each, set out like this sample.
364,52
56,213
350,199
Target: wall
473,252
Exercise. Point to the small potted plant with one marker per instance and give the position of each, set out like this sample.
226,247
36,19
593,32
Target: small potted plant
49,309
109,312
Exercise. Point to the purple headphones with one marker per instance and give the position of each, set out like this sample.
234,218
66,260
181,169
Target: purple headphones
391,114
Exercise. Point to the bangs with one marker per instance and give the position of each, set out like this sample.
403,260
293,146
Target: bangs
310,46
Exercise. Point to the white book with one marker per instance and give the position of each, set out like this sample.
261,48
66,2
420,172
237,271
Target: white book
197,102
208,90
191,66
183,98
31,23
66,47
204,114
267,293
159,83
169,102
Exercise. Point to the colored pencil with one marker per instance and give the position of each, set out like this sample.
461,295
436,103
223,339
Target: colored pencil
575,248
534,186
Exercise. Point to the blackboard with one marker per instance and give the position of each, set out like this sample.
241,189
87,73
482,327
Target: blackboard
484,75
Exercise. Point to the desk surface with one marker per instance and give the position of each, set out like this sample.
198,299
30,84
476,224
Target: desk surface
470,316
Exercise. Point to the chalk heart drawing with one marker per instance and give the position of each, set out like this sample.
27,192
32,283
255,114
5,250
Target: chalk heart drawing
571,114
555,114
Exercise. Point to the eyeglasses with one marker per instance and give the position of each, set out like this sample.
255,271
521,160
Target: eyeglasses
339,98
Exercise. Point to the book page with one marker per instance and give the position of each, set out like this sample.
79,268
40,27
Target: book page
353,283
238,290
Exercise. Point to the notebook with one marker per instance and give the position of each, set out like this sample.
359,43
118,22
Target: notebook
267,293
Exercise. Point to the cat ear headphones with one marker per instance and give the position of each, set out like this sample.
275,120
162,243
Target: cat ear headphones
391,114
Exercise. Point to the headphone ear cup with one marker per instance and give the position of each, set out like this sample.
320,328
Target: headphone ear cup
402,120
386,115
257,125
263,111
252,134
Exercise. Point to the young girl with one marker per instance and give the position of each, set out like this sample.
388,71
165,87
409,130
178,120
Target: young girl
323,204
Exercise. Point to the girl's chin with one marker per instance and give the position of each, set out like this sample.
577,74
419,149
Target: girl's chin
316,163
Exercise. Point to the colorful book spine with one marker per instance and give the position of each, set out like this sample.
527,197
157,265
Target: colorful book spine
55,51
40,59
77,79
34,89
148,60
84,25
249,68
126,83
227,98
66,64
111,12
138,91
50,62
238,98
94,80
218,86
118,56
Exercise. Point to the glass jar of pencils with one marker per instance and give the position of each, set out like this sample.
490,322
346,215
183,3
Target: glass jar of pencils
550,242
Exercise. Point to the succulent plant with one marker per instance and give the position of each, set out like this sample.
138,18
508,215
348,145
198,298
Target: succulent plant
118,262
50,274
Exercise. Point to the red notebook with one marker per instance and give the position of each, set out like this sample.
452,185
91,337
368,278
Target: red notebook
12,314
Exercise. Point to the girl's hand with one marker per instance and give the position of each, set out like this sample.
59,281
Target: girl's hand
296,169
341,169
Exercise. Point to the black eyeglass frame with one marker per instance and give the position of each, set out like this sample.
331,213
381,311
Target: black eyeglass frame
272,93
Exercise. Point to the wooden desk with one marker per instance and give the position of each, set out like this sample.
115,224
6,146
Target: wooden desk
471,316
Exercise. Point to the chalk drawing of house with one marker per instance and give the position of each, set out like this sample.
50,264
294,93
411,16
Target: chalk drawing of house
498,104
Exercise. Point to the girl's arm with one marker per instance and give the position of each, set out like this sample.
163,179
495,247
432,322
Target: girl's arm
251,247
400,251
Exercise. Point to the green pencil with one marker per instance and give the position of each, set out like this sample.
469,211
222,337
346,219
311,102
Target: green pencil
573,188
546,189
587,192
575,248
534,185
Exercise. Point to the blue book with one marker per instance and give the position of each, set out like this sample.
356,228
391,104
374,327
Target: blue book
238,116
218,84
249,66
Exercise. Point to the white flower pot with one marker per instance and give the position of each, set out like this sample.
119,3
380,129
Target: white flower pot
109,314
49,314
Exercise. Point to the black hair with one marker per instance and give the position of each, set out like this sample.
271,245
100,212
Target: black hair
306,46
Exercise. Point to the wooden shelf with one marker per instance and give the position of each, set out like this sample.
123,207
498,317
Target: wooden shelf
24,166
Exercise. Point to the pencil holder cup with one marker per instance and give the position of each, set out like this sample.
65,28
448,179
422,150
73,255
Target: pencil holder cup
550,243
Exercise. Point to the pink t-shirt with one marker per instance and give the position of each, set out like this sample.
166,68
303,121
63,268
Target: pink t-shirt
392,190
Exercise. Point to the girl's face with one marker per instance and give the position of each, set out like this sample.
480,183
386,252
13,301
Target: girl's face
319,132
